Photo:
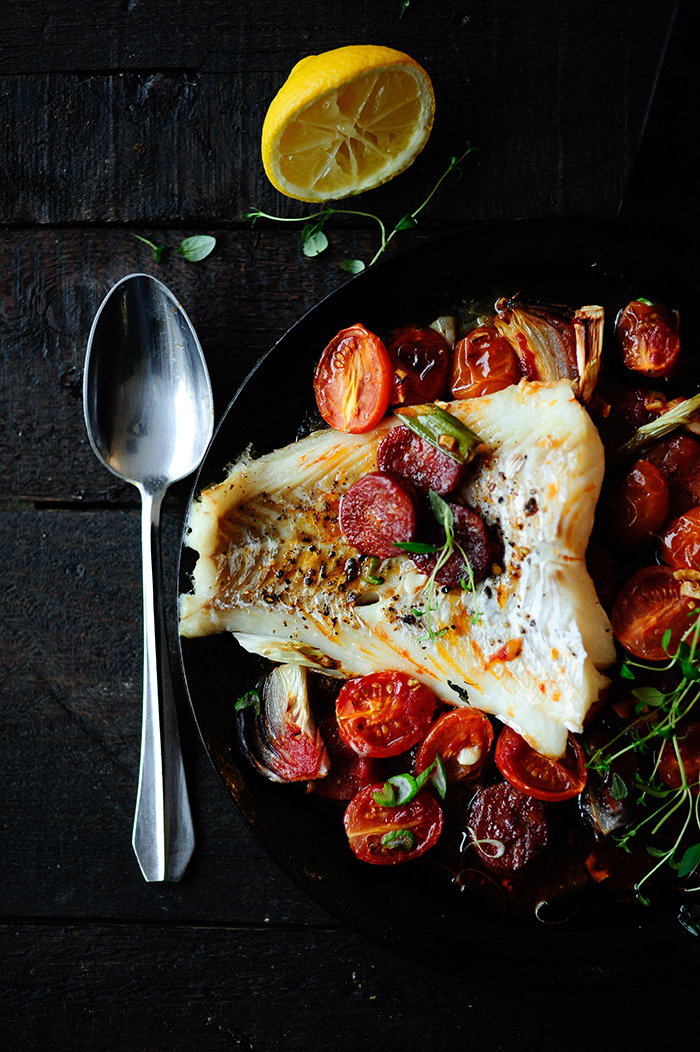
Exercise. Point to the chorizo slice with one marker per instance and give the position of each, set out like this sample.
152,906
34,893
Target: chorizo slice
379,511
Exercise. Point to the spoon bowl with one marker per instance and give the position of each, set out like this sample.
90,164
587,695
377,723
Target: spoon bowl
149,416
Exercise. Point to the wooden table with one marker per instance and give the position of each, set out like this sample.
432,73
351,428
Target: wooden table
119,119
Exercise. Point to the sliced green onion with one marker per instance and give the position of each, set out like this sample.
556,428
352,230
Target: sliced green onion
405,788
442,430
401,788
398,840
439,777
663,425
386,796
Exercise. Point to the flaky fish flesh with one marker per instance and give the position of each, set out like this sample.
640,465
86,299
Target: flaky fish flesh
529,644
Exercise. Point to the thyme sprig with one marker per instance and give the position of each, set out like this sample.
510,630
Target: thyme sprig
314,240
659,722
192,248
444,515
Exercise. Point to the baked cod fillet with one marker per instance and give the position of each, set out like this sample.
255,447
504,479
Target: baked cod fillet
528,644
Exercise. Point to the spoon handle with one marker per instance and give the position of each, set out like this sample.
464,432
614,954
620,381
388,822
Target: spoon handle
163,837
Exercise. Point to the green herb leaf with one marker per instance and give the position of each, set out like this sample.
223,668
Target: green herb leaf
250,698
618,788
313,243
353,266
666,639
649,696
626,672
398,840
690,861
441,510
460,691
405,4
406,223
418,547
689,669
196,248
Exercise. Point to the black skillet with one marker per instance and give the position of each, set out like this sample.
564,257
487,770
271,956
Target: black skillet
405,908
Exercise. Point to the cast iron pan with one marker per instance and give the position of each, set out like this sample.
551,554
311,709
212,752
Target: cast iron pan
406,908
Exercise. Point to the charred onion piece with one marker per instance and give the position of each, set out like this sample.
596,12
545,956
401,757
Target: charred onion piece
607,813
281,740
553,341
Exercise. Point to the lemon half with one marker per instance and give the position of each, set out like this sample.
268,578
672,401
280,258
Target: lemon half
346,121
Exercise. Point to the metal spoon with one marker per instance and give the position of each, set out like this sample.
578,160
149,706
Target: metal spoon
149,417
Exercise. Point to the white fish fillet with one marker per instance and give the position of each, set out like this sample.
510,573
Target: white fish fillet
529,645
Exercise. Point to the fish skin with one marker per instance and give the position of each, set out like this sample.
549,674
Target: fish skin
529,645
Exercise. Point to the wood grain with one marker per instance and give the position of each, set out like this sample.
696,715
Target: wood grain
171,135
71,650
169,989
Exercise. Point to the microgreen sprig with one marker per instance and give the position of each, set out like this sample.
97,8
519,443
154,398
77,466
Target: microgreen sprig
444,515
313,237
192,248
659,719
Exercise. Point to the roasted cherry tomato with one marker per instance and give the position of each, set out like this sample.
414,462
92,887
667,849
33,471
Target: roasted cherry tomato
640,508
689,748
388,835
483,362
420,362
680,541
353,380
462,739
678,459
647,335
384,713
647,606
537,775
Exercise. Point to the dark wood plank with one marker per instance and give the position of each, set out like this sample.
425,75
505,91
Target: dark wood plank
71,657
241,299
553,98
167,989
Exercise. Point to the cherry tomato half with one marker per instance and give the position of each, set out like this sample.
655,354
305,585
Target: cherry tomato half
641,506
689,748
353,380
647,334
389,835
680,541
462,738
647,606
483,362
537,775
420,361
384,713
